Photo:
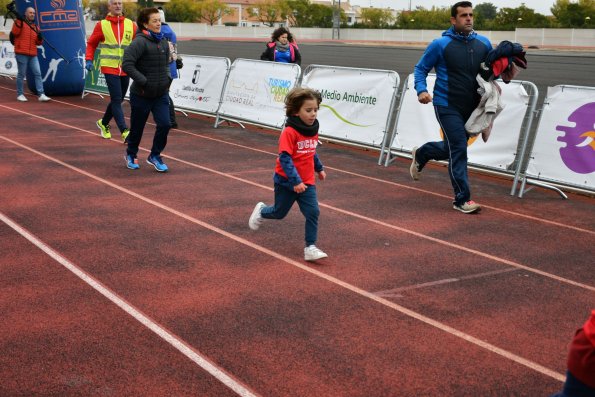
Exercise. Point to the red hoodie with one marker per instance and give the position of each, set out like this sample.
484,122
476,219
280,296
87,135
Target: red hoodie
97,37
581,358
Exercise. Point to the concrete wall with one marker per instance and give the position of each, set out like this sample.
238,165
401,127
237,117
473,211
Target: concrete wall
528,37
538,37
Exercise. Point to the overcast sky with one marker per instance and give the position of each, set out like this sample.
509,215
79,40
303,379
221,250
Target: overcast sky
540,6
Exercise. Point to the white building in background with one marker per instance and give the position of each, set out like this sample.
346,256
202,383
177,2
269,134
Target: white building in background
350,11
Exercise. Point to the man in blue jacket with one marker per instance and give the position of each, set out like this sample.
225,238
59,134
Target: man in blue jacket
175,62
456,58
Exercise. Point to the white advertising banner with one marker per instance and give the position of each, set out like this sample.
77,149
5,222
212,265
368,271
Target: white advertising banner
564,148
356,103
200,83
255,91
8,62
500,149
417,125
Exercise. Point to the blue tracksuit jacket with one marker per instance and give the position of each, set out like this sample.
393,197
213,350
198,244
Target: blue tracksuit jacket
456,59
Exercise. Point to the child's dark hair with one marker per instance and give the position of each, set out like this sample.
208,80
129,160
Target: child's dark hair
143,16
296,98
281,31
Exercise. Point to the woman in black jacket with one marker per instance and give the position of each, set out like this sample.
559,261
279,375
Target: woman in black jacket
282,48
146,61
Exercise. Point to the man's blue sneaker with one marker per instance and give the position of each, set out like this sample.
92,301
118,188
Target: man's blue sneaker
131,162
157,162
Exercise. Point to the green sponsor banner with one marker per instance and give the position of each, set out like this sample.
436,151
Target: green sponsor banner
95,81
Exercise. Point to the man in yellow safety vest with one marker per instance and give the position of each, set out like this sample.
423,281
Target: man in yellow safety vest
112,35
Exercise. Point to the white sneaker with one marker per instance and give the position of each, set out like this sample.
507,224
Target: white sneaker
22,98
312,253
255,219
414,168
44,98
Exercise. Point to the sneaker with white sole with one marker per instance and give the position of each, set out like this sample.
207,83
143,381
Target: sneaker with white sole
157,162
256,219
312,253
467,207
414,168
44,98
105,130
125,134
131,162
22,98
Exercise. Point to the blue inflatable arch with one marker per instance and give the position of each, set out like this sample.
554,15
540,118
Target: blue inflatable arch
62,55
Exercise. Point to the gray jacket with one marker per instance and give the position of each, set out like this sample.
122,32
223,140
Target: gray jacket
490,106
146,62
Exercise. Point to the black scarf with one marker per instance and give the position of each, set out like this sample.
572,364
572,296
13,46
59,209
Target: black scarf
306,130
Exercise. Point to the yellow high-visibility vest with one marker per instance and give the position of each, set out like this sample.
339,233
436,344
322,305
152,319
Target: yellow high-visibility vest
111,52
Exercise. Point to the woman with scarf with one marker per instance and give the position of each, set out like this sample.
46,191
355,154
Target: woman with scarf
146,61
282,48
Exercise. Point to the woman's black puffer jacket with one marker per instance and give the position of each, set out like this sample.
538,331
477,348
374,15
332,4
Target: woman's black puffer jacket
146,62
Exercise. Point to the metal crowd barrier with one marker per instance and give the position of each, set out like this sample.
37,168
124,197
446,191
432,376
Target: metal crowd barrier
357,104
8,62
255,91
416,124
364,107
560,153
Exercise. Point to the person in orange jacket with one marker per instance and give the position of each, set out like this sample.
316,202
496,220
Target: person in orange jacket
26,39
112,35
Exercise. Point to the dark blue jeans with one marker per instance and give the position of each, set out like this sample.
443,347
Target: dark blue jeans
117,86
453,148
575,388
308,203
141,107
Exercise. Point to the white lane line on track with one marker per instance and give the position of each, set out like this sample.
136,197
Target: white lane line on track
465,249
355,215
142,318
348,213
395,292
418,316
371,178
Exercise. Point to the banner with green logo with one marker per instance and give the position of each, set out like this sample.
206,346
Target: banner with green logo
357,104
95,81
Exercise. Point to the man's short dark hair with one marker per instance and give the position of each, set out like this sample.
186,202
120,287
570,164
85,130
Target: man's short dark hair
462,4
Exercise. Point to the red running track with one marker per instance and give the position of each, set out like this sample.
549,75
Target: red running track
127,283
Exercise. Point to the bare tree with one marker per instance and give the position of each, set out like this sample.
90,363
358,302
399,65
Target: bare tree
270,11
212,10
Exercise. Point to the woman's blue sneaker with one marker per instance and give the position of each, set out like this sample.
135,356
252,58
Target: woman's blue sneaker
131,162
156,162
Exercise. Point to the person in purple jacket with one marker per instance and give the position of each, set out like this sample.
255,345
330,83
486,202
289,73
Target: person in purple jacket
282,48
